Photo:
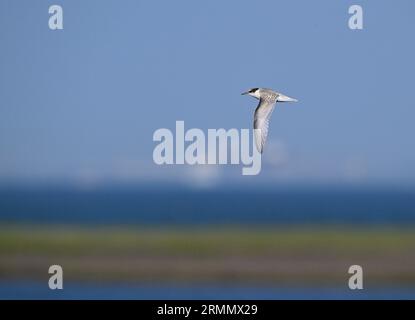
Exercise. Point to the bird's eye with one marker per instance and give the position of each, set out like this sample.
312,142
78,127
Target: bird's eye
253,90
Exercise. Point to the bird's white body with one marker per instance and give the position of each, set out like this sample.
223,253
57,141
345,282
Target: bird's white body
267,101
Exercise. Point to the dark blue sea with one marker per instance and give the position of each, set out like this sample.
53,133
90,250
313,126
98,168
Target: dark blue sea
182,207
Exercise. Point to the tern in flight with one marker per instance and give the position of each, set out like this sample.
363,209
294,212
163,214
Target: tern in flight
267,100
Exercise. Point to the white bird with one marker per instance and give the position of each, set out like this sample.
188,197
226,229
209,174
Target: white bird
267,101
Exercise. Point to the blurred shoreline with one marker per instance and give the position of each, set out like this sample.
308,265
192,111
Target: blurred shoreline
270,256
268,242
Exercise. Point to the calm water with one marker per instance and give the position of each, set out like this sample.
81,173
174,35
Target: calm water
170,207
36,290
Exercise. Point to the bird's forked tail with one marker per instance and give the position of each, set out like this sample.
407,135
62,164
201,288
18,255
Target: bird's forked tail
282,98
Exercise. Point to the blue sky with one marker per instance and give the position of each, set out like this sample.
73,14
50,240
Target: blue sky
81,104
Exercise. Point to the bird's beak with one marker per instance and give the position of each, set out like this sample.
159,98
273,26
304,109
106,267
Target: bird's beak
244,93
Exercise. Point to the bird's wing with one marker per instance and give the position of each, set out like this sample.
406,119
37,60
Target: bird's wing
261,122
